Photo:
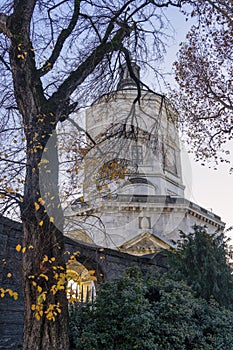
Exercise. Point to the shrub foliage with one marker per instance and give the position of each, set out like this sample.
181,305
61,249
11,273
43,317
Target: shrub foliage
182,309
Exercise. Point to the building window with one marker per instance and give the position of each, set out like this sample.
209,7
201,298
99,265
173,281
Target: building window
137,155
144,222
170,160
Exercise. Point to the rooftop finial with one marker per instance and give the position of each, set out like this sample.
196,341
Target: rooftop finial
126,81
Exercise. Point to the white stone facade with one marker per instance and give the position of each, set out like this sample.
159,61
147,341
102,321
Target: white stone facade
145,204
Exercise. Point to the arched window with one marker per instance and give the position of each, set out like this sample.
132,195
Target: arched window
80,283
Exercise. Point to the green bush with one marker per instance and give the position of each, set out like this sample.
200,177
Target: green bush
155,313
120,318
182,321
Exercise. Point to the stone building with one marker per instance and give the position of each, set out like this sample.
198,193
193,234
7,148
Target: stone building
133,193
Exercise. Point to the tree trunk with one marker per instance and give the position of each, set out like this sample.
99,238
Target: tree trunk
46,313
43,264
44,333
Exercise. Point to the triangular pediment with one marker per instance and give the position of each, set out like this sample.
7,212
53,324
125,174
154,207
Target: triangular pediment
80,235
144,243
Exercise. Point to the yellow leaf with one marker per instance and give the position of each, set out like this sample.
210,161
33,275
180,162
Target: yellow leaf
33,307
39,289
18,247
45,258
54,289
41,223
9,275
37,206
37,317
51,219
30,247
49,315
23,249
15,296
44,276
53,259
41,201
34,283
42,297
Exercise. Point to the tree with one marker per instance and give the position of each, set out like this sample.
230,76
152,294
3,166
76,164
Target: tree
200,260
55,55
204,76
156,312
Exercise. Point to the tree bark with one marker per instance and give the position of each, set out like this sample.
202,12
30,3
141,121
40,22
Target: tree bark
43,334
45,240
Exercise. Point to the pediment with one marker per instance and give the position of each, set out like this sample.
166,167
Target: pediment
144,243
80,235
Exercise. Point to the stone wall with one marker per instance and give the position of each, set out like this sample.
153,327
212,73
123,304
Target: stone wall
11,311
108,264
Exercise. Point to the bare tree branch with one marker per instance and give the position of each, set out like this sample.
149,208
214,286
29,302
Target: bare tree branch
86,68
65,33
3,25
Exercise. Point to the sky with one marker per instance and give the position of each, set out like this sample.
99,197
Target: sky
209,188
